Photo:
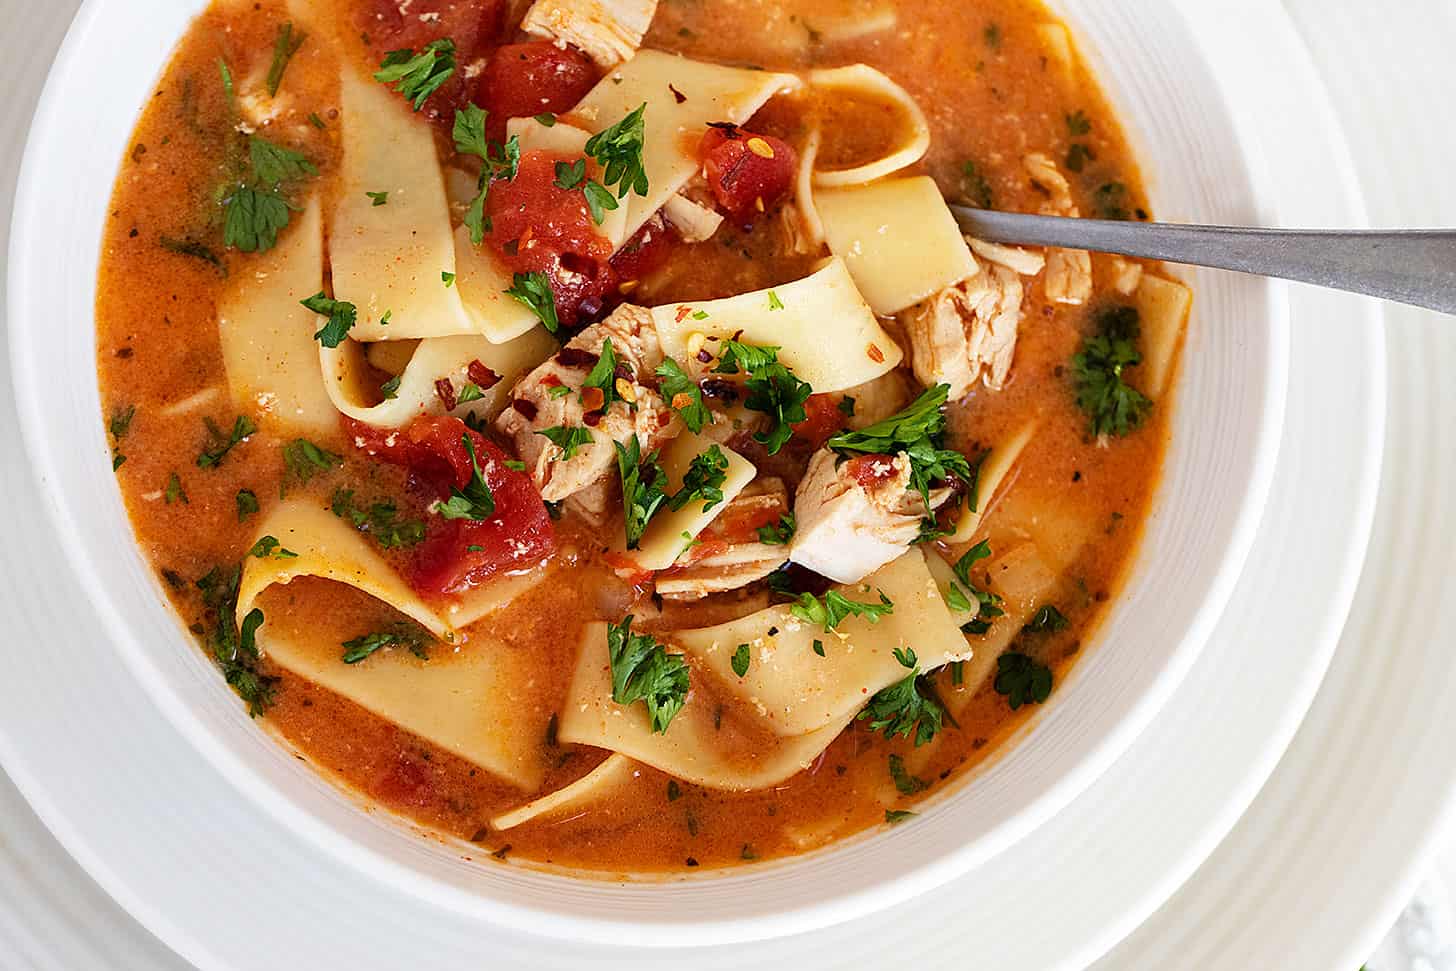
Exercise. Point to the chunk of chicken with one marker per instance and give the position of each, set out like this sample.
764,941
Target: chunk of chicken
1069,271
693,221
856,516
730,554
609,31
967,333
1126,275
535,409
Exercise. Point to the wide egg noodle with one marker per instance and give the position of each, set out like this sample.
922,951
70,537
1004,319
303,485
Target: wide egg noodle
682,97
871,84
825,332
898,239
467,698
266,334
594,787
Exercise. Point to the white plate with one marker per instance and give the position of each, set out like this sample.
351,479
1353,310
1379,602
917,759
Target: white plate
172,853
1225,433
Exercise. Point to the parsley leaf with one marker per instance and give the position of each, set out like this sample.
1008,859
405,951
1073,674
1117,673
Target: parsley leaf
284,48
780,533
737,357
468,131
247,502
389,390
499,162
897,816
302,460
221,444
254,220
1078,123
236,650
978,190
907,784
1046,620
534,290
772,389
902,709
831,611
643,482
1022,680
1113,407
175,493
684,395
599,200
774,303
642,670
268,547
570,175
119,425
703,480
475,501
603,376
381,521
618,150
274,165
568,438
742,657
379,198
396,635
417,76
342,316
966,596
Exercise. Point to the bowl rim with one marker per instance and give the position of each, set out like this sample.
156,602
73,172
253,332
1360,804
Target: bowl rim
223,754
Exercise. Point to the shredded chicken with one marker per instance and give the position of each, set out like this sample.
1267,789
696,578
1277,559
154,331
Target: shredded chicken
534,409
848,528
1069,271
694,222
728,556
1126,275
967,333
609,31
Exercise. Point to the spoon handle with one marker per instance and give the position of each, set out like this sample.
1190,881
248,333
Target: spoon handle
1412,266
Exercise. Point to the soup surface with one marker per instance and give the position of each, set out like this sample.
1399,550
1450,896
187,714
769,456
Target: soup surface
580,427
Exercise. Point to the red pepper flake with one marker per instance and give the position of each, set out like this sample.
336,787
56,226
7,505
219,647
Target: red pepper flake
445,391
678,95
876,355
483,377
592,418
682,312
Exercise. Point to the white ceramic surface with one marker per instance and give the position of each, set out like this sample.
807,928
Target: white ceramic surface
1219,468
1244,695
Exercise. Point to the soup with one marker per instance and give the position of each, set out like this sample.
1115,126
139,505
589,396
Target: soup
583,430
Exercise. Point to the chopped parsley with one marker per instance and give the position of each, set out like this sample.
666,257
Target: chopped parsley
316,121
268,547
618,150
570,175
642,670
341,314
469,391
1110,201
396,635
903,709
447,278
819,647
284,48
498,162
219,444
559,391
917,431
1078,124
378,198
992,35
568,438
247,503
174,492
546,120
599,200
772,389
1046,620
907,784
194,249
779,533
978,189
846,406
417,76
380,520
119,425
389,390
684,395
534,290
302,460
1022,680
1078,156
475,501
830,611
257,211
236,650
965,596
603,376
774,303
643,485
1113,407
703,480
227,78
742,656
897,816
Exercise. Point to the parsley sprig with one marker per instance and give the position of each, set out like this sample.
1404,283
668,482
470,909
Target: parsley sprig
1022,680
258,209
703,480
831,610
772,389
568,438
603,376
380,520
498,163
534,291
904,708
643,488
417,76
779,533
642,670
284,48
1113,407
235,647
396,635
684,395
965,596
618,150
475,501
341,314
220,443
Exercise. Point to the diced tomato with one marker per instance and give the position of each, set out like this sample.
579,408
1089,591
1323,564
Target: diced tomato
473,25
748,173
524,80
647,250
539,227
458,554
824,422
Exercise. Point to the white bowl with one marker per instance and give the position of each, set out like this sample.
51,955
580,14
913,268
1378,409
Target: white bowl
1226,432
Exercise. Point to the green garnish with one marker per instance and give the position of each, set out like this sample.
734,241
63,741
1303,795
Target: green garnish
268,547
417,76
469,391
1046,620
227,78
220,443
546,119
643,485
389,390
447,278
834,607
703,480
907,784
603,376
978,189
568,438
397,635
341,314
475,501
236,650
965,596
284,48
302,460
642,670
378,198
534,290
896,816
119,425
780,533
1022,680
1113,407
559,391
772,389
902,709
498,162
618,150
257,211
741,658
174,492
570,175
1078,156
1078,123
380,520
684,396
247,502
774,303
599,200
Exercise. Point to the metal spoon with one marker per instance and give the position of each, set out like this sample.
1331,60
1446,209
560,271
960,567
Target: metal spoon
1412,266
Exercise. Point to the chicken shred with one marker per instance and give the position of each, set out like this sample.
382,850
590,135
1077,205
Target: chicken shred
609,31
586,476
1126,275
847,530
1068,271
